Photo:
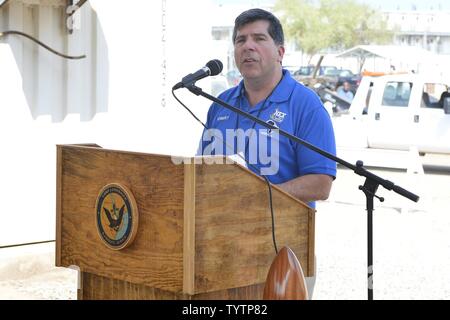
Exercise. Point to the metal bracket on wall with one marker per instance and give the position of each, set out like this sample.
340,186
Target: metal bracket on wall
73,22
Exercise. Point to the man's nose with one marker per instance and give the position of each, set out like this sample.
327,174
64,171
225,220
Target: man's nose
249,44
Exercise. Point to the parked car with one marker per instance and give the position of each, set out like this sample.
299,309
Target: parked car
308,71
337,78
219,84
305,76
233,77
291,69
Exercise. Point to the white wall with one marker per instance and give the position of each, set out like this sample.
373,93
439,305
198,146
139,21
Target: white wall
116,101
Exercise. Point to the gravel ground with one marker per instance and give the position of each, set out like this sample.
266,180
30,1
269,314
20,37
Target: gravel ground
411,241
411,246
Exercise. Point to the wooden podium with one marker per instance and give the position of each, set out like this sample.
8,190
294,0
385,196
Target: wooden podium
204,230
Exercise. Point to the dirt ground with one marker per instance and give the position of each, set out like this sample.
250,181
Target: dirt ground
29,273
411,241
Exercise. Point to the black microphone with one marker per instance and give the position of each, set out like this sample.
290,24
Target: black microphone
212,68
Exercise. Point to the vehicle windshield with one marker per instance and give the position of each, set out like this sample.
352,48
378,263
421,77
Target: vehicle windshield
332,72
304,71
345,73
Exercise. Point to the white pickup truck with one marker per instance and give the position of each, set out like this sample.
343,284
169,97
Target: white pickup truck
398,112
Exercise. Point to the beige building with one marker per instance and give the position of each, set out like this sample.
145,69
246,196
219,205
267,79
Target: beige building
429,30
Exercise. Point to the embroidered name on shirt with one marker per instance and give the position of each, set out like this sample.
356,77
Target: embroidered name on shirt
222,118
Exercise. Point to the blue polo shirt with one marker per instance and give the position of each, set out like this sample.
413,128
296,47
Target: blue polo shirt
291,107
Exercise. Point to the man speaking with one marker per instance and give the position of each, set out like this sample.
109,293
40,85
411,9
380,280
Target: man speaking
268,92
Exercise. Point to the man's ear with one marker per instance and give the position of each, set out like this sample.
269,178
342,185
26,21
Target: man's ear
281,51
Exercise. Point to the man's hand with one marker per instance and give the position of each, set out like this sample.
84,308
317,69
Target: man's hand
311,187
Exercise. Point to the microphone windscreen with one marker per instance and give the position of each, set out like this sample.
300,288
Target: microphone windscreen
215,66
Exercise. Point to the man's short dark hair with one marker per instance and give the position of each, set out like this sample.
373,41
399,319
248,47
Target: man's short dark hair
252,15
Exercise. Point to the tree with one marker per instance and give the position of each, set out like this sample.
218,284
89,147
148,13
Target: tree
331,24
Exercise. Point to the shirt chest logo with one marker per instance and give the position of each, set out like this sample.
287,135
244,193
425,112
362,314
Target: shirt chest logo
278,116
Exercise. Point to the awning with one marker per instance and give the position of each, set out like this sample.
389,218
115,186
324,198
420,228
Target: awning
391,52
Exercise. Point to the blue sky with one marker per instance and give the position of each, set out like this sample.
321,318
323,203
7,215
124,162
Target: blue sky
379,4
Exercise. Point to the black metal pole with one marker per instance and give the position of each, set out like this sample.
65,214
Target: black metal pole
369,188
370,254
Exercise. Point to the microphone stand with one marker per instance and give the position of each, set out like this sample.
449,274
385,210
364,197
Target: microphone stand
369,188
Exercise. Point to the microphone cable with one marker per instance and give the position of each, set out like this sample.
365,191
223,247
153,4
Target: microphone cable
8,32
269,185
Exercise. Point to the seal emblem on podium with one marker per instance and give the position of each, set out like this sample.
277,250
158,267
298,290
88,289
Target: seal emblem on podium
116,216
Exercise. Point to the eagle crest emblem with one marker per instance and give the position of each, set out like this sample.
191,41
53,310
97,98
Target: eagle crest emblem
116,216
